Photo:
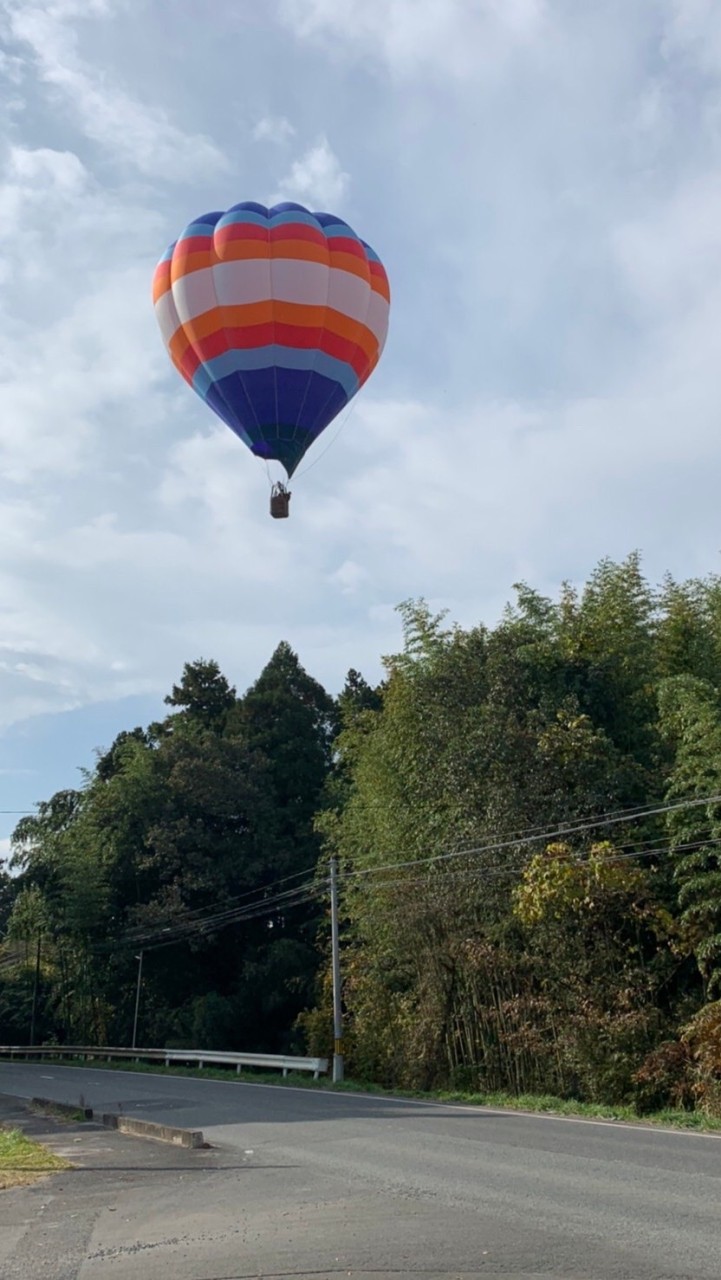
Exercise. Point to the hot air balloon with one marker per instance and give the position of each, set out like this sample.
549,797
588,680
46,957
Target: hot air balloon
276,317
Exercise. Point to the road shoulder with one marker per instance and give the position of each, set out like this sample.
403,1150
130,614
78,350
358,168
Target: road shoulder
47,1228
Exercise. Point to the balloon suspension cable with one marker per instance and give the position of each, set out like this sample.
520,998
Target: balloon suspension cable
323,452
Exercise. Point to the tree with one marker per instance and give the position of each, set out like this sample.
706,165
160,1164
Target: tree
7,895
596,936
177,825
203,692
357,696
544,722
491,938
691,716
288,718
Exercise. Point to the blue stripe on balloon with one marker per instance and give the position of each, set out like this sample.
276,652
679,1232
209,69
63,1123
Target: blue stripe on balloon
275,356
204,226
245,217
249,206
217,401
272,427
321,398
280,219
340,230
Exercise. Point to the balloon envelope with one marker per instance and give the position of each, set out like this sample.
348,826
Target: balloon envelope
276,317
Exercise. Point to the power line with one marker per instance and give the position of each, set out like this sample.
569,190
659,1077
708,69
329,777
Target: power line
193,922
153,936
153,940
303,894
261,889
545,837
499,872
212,912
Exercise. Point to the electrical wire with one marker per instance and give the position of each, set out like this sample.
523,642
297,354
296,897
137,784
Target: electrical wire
261,889
558,833
154,940
154,936
482,874
194,923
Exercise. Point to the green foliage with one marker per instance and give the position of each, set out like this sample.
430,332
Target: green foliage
203,693
509,967
691,716
499,937
180,822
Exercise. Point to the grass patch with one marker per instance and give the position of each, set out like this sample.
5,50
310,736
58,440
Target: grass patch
23,1161
544,1104
59,1113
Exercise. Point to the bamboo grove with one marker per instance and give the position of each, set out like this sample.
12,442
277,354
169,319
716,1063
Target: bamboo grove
527,822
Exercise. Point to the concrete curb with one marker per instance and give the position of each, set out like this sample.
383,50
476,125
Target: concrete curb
191,1138
63,1108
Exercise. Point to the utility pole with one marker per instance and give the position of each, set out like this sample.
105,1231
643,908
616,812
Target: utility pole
137,998
35,991
337,1005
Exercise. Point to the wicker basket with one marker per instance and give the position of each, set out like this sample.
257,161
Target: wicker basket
280,503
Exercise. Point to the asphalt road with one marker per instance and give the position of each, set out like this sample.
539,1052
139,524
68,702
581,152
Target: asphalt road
326,1184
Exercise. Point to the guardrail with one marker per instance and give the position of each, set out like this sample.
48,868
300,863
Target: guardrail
198,1057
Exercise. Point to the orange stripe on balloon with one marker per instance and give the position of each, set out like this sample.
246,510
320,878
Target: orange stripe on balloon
348,262
241,327
184,264
161,280
297,313
379,280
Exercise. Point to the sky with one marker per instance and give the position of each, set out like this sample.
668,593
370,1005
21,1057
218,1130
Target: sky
542,180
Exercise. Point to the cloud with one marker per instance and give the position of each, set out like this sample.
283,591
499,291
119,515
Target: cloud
671,257
273,129
350,577
76,336
316,179
694,29
137,133
455,37
11,67
549,393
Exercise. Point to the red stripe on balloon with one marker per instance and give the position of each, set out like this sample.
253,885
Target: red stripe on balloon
295,337
345,244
